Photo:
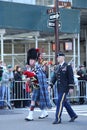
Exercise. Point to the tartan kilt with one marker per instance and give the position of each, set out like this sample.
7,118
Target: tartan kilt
35,95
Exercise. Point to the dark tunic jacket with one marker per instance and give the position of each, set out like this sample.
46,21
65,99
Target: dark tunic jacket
64,77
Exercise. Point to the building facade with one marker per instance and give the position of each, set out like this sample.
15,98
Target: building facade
41,37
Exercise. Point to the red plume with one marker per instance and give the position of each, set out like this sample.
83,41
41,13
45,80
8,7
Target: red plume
37,49
29,74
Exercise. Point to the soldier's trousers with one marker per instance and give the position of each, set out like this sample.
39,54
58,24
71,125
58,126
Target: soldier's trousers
62,102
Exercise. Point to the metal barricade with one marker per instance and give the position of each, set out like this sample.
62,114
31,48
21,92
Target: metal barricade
80,92
17,93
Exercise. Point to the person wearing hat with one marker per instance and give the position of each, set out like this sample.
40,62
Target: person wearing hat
63,76
82,77
38,80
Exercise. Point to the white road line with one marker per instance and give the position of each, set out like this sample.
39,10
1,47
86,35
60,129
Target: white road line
80,110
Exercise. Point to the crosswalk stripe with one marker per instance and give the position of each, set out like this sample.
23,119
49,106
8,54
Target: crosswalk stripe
80,110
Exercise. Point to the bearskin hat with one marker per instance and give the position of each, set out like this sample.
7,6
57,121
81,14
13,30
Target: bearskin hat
32,54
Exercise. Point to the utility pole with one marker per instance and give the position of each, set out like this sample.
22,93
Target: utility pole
57,45
53,22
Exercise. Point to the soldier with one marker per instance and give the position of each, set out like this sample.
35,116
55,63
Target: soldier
63,74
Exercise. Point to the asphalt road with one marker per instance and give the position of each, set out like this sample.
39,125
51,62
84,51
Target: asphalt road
14,120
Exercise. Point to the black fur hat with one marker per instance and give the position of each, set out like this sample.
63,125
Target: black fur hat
32,54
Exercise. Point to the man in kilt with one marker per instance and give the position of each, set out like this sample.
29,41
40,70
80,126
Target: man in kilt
38,79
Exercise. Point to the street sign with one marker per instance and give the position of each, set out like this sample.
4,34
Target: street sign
51,23
54,16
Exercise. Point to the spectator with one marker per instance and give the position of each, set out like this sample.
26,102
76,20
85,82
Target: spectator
1,72
82,73
7,77
18,90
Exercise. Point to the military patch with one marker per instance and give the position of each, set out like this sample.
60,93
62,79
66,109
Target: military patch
64,69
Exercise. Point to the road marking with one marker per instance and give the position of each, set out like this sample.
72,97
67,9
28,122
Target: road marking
79,110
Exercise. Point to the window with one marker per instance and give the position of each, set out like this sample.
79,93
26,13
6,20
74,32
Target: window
68,46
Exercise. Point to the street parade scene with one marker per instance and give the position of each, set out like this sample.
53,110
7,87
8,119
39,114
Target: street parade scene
43,64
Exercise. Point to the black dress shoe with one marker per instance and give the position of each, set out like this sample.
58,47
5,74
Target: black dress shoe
56,122
73,118
29,119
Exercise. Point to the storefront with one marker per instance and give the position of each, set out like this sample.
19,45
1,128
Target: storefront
26,26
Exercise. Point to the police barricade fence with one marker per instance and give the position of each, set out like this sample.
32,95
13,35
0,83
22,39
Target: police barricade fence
18,92
80,92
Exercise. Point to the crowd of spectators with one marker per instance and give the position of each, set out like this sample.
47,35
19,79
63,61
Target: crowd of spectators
14,86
